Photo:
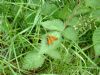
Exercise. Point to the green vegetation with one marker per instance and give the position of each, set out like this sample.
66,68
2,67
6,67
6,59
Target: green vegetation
54,37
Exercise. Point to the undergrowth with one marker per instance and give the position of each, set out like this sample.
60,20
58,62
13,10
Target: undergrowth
39,37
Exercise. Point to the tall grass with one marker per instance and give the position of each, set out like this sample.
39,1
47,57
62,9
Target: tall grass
21,32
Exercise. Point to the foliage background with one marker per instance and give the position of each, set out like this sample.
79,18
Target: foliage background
24,29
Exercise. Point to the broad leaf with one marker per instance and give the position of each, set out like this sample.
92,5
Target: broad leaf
96,41
63,13
74,21
81,10
93,3
70,34
33,3
96,15
53,25
48,9
46,48
32,60
54,54
48,74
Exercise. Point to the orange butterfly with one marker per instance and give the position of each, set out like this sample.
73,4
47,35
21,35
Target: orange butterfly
51,39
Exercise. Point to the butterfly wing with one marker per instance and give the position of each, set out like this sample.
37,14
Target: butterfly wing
51,39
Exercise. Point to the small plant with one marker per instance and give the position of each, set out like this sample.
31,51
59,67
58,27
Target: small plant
49,37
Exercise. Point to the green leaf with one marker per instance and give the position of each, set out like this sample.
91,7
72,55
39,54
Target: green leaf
93,3
81,10
32,60
96,15
74,21
96,41
70,34
53,25
34,2
48,8
63,13
54,54
49,49
48,74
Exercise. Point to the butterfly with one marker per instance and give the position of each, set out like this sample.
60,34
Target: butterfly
51,39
